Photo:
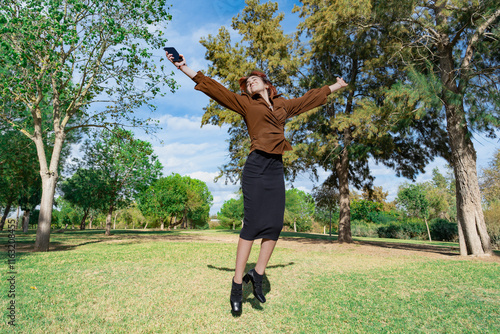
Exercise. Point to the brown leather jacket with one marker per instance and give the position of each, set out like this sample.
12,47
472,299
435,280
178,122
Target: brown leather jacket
266,125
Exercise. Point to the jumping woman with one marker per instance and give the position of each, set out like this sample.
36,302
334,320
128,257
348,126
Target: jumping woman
263,185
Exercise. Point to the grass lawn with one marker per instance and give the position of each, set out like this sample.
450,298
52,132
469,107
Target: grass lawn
179,282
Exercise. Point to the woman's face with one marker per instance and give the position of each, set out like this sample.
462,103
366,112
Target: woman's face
255,84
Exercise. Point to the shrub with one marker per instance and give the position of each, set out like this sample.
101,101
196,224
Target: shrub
384,217
361,228
404,229
228,223
443,230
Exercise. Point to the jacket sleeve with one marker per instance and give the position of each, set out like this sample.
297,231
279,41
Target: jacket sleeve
221,94
310,100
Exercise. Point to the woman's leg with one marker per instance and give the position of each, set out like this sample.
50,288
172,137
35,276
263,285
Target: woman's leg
266,250
242,254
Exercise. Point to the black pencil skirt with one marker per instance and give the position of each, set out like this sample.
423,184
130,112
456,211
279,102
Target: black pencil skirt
263,187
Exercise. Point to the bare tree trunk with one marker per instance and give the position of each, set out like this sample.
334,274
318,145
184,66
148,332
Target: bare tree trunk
82,223
162,224
5,214
108,221
17,218
473,235
26,220
295,225
90,222
474,238
342,169
114,221
49,177
184,218
428,230
45,218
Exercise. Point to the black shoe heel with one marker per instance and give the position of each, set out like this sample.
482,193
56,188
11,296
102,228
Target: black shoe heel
236,297
256,279
246,278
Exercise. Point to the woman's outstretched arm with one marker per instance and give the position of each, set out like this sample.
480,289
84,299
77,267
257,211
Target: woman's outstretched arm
338,85
213,89
181,65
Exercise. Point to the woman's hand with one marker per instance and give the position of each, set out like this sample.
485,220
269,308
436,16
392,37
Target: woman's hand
181,65
338,85
341,82
177,64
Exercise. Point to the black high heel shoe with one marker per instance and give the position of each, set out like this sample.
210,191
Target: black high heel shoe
256,279
236,297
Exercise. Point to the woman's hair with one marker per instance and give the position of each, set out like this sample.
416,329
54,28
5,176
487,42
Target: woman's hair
271,89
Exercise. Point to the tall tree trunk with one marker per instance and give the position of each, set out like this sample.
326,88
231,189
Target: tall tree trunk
473,235
342,169
108,221
82,223
49,177
26,220
5,214
428,230
114,221
45,218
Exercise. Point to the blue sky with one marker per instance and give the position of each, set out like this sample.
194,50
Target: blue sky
189,149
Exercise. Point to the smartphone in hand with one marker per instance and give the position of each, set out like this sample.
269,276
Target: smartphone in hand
174,52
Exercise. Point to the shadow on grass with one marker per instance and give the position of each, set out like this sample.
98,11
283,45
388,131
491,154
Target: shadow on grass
443,250
248,288
397,244
67,240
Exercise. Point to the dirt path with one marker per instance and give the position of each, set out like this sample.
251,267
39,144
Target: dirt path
374,248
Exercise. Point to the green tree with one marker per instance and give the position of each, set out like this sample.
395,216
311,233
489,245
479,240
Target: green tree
365,209
59,57
130,216
412,199
264,46
326,198
352,40
126,166
299,210
490,180
231,212
164,199
83,189
178,198
29,200
66,214
342,38
452,52
19,182
199,202
440,193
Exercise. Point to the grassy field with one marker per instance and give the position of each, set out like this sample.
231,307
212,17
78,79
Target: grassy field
179,282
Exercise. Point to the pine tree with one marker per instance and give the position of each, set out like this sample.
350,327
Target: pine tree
452,54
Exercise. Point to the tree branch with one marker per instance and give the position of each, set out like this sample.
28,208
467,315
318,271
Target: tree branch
466,62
